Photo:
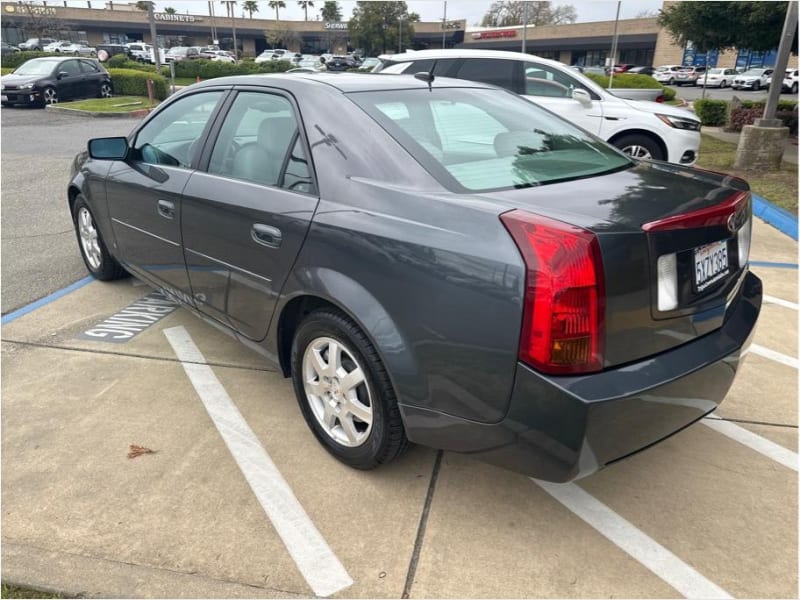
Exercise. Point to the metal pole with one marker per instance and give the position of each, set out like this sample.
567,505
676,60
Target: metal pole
705,79
233,26
789,25
524,27
614,47
444,24
400,40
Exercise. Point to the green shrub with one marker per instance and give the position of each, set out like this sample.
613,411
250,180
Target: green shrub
130,82
669,94
12,61
126,63
118,61
210,69
625,80
711,112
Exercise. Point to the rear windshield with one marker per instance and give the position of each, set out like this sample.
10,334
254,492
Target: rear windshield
481,139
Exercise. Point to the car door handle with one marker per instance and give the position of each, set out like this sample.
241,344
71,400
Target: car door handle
166,209
266,235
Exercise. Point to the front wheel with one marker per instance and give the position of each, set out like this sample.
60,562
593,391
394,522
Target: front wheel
794,88
94,252
639,146
344,391
50,95
756,86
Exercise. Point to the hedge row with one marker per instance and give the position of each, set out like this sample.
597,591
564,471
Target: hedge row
720,112
15,59
206,69
129,82
625,80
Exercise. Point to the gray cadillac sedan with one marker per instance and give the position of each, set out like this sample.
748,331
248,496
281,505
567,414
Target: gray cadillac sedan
434,261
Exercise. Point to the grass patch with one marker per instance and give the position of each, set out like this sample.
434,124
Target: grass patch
779,187
6,70
183,81
10,591
117,104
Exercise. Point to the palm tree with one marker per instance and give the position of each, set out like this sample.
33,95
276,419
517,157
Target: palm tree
169,10
304,5
276,4
250,6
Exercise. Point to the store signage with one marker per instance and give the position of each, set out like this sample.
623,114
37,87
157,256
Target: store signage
485,35
30,9
335,25
175,18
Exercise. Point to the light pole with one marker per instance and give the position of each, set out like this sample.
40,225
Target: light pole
400,20
444,24
524,27
614,47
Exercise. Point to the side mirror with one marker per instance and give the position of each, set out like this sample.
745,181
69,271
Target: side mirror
582,96
111,148
62,74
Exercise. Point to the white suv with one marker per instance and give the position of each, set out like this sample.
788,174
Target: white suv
666,73
641,129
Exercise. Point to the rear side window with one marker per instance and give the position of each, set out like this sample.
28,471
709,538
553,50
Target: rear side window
492,71
481,139
89,67
71,67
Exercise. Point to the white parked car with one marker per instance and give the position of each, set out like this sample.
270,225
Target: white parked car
752,79
717,77
59,46
789,83
220,56
641,129
666,73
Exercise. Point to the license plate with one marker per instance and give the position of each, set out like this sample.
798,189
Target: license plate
3,98
710,264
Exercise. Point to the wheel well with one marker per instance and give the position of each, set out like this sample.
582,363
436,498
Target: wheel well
293,314
648,134
72,193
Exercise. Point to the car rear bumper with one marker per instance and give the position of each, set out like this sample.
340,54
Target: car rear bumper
564,428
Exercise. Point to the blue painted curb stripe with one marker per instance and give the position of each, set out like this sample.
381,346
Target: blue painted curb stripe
46,300
776,265
779,218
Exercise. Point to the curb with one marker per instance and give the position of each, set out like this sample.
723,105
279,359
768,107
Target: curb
781,219
134,114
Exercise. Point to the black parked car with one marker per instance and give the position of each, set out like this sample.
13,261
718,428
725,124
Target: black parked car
641,70
341,63
441,262
6,49
41,81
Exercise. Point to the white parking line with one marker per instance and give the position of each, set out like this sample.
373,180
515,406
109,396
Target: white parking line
314,558
754,441
789,361
781,302
633,541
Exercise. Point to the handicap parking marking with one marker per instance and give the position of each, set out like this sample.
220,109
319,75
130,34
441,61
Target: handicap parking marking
123,326
320,567
754,441
640,546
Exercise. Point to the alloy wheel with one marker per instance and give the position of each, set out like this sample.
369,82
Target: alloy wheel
337,391
89,238
105,90
637,151
50,96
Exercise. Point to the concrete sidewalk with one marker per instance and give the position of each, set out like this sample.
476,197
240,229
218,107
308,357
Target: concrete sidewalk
790,145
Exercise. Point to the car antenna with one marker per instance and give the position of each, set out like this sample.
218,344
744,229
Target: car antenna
423,76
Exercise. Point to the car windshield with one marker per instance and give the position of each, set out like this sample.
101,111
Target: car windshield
481,140
37,66
754,72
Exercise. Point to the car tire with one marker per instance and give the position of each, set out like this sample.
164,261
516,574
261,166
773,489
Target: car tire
639,146
794,88
49,95
95,254
671,81
723,84
105,90
341,432
756,86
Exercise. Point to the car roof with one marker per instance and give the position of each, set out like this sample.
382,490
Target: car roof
345,82
469,53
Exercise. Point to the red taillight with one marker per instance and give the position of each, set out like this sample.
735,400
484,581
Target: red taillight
564,309
660,98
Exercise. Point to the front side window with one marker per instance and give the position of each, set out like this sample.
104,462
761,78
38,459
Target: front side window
259,142
480,140
171,137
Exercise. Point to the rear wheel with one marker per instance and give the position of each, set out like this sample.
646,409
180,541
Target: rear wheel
344,391
105,90
639,146
94,252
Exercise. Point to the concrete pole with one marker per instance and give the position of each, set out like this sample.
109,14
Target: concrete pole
444,24
614,42
789,26
153,36
524,27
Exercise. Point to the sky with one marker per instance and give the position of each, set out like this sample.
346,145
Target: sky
429,10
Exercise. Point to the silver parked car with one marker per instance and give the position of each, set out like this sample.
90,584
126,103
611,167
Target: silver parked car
718,77
752,79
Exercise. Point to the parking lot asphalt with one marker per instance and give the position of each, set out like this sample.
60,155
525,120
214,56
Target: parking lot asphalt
711,512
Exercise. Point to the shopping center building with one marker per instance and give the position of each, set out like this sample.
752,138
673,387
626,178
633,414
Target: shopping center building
640,41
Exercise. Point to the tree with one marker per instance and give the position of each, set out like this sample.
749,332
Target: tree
276,4
375,25
281,35
330,11
169,10
250,7
647,14
723,25
304,5
506,14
